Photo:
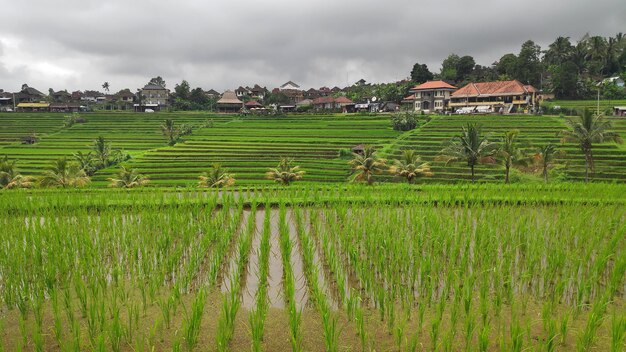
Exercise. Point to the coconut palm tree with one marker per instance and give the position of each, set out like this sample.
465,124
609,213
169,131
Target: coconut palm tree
106,86
409,166
86,161
510,153
102,148
546,156
62,173
586,130
217,177
128,177
366,165
170,131
470,146
285,173
11,178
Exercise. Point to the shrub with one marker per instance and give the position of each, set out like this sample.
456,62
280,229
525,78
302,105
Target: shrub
404,122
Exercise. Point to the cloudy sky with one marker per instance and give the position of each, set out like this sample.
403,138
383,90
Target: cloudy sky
79,44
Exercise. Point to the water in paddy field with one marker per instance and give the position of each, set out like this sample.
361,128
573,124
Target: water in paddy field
275,279
297,263
232,263
252,273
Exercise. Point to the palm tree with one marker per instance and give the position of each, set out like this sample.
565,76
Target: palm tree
170,131
510,153
105,86
128,177
546,156
471,147
86,161
103,150
410,166
62,173
285,173
366,165
217,177
11,178
586,130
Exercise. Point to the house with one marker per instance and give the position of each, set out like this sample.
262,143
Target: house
431,96
335,90
346,105
242,92
258,92
65,107
125,95
61,96
619,110
304,103
253,104
290,85
153,96
330,103
28,95
312,93
229,102
33,107
6,101
92,96
212,93
498,96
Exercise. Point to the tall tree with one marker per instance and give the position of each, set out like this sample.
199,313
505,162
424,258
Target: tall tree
10,177
449,67
464,67
410,166
366,165
470,146
421,73
106,86
565,79
507,65
102,148
182,90
157,81
560,51
587,130
528,68
170,131
510,153
546,156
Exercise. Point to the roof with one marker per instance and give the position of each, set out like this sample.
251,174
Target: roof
324,100
496,88
258,88
212,92
33,105
153,87
64,105
229,97
289,83
433,85
31,91
343,100
252,104
408,99
304,102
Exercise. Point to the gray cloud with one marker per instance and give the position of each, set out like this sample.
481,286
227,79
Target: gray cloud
82,43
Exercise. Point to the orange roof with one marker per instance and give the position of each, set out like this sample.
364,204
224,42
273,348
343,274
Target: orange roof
496,88
343,100
433,85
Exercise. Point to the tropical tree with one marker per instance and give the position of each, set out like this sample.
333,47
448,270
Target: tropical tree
87,162
11,178
62,173
285,173
102,148
470,146
510,153
546,156
106,86
170,131
217,177
409,166
587,130
365,165
128,177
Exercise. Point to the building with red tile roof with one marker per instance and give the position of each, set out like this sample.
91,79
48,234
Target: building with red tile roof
431,96
503,96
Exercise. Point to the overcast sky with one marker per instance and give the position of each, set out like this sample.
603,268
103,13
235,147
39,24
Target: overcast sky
79,44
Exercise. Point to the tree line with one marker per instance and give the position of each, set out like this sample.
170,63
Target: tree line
569,69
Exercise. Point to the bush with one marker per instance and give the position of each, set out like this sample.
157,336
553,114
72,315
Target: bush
404,122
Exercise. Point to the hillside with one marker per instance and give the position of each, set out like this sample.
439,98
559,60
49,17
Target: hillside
247,146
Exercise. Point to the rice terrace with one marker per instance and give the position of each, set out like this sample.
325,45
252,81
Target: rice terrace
323,264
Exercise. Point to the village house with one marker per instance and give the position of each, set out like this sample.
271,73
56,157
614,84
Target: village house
499,96
28,95
229,102
329,103
292,91
153,96
212,93
242,92
431,96
258,92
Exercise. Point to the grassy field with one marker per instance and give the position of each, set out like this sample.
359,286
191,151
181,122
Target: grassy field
326,267
248,146
585,104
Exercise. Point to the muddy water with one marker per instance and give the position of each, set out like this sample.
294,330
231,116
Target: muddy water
234,253
252,272
275,279
297,263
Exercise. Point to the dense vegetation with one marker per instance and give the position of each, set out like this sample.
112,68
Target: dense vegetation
389,267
